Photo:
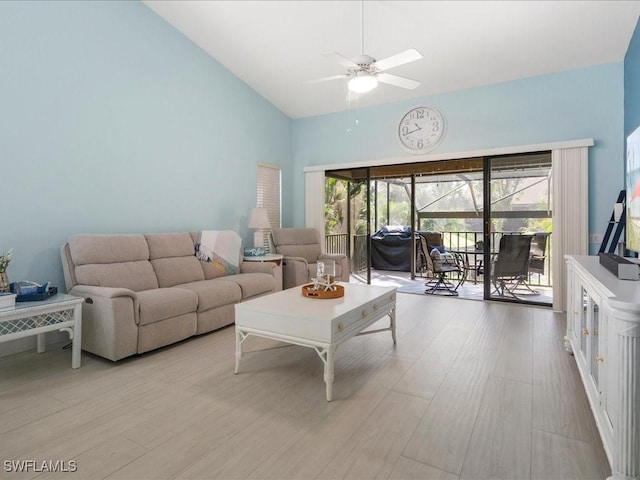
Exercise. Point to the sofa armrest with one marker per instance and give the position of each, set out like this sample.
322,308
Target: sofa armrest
295,271
110,318
89,291
258,267
340,259
108,292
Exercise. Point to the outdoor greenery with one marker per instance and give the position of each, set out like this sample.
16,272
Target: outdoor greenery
434,196
5,258
335,194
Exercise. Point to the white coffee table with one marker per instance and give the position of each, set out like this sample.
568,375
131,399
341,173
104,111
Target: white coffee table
320,324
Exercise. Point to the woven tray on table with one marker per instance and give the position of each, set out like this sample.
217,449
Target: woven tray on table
308,291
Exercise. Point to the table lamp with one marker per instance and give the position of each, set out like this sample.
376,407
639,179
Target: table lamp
260,221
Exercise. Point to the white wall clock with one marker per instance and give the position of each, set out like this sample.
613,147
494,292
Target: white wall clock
422,129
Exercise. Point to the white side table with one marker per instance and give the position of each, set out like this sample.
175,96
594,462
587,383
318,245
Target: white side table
60,312
270,257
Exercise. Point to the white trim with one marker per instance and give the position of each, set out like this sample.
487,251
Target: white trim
314,210
586,142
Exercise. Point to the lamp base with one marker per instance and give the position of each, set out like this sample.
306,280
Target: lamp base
258,241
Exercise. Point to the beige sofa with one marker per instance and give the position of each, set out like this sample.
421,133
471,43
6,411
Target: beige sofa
146,291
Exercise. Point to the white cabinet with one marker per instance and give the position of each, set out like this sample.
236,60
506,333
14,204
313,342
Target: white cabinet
603,333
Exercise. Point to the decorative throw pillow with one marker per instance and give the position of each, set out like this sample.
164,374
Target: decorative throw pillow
448,258
440,259
435,257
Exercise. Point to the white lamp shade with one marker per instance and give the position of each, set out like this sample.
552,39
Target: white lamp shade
363,82
259,218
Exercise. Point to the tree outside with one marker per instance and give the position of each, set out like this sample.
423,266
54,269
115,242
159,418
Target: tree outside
438,197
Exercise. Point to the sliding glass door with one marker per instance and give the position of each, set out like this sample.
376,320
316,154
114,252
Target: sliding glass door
494,212
518,237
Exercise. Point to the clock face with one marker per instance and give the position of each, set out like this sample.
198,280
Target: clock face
422,129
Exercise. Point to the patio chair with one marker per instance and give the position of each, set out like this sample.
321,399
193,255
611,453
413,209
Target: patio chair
511,267
442,264
538,252
422,267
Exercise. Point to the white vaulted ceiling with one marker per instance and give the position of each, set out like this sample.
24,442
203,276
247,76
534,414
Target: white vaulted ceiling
276,46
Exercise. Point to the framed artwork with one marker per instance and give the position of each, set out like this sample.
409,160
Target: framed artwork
633,191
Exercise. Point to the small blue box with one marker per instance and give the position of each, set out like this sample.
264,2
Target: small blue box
255,252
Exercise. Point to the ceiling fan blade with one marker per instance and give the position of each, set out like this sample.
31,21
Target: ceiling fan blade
326,79
398,59
344,61
397,81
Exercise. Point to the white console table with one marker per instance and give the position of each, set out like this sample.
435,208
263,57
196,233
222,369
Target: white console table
59,312
603,333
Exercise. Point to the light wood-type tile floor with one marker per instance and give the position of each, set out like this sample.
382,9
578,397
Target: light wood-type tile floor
472,390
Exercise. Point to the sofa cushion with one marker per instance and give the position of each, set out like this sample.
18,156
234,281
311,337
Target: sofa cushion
212,270
96,248
214,293
165,245
297,242
173,258
253,283
173,271
112,261
136,276
162,303
308,252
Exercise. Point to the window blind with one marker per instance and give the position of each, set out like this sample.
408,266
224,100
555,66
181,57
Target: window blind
269,195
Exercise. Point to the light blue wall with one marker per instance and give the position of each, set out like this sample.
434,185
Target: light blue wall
584,103
112,121
632,83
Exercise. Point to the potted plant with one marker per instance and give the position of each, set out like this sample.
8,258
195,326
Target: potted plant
5,258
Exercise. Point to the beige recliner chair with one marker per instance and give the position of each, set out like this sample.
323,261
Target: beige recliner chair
302,249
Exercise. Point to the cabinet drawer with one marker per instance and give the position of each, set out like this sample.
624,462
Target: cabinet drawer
363,316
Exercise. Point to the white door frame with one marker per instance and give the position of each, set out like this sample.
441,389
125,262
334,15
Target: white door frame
570,196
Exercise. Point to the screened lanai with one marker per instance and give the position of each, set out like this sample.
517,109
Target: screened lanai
363,206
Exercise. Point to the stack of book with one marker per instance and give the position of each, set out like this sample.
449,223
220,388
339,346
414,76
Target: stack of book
32,291
7,300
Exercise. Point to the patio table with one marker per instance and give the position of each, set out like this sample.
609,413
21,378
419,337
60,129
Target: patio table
468,266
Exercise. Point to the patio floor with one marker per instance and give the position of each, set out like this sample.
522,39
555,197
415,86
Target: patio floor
468,290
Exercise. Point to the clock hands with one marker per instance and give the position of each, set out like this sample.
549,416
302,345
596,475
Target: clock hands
418,128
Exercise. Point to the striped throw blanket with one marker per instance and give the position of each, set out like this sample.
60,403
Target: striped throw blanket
221,248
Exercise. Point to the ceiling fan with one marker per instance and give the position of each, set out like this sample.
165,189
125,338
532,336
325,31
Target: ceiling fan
364,72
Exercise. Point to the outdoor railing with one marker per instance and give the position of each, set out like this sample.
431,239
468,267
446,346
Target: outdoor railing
339,243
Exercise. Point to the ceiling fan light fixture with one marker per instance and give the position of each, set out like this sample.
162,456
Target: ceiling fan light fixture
363,82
